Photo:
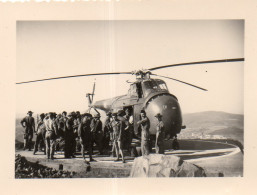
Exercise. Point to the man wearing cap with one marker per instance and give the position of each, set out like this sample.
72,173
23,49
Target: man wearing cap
51,134
97,132
40,134
118,127
145,134
160,135
85,135
28,123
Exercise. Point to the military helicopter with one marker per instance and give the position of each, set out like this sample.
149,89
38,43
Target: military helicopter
146,93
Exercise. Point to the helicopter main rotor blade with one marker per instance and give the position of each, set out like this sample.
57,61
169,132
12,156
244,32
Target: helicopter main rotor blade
181,82
82,75
200,62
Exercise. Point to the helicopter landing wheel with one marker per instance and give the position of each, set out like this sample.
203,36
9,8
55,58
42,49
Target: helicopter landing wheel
175,144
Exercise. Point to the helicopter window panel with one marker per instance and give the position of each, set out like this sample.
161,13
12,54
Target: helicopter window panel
162,85
149,86
136,90
133,90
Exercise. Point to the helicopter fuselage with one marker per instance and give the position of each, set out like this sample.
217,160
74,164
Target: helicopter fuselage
151,95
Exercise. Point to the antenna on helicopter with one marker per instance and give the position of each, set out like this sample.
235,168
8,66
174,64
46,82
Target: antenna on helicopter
93,93
90,97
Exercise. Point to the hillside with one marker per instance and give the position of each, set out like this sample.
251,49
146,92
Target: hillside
213,124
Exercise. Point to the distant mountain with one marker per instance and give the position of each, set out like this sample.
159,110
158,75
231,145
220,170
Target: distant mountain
214,123
213,118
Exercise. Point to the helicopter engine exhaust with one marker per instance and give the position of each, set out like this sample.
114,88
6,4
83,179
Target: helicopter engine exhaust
167,105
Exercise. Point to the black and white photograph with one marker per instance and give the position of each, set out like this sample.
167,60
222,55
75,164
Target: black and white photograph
129,98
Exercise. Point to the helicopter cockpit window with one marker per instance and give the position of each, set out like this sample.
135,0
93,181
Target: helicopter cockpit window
150,85
154,85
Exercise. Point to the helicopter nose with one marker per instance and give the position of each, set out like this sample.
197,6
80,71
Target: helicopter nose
168,106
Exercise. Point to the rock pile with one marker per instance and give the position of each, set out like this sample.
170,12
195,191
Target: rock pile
26,169
159,165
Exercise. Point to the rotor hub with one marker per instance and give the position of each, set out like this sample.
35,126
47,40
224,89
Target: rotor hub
142,74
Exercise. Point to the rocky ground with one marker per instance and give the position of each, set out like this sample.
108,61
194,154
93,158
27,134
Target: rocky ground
27,169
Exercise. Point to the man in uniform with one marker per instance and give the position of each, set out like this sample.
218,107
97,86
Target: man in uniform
77,121
40,134
69,136
62,123
107,131
97,131
64,116
51,134
60,140
129,131
85,135
160,135
145,134
28,123
118,127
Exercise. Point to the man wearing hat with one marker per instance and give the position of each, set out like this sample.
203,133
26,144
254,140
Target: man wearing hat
145,134
28,123
160,135
40,134
97,132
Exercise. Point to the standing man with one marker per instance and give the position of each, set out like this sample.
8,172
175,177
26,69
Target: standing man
85,135
64,116
51,134
69,136
145,134
40,134
118,127
28,123
160,135
107,131
59,124
97,132
129,131
77,121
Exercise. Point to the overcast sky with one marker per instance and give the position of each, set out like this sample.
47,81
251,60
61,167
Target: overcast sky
60,48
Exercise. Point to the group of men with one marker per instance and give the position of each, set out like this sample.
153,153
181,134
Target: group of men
114,136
